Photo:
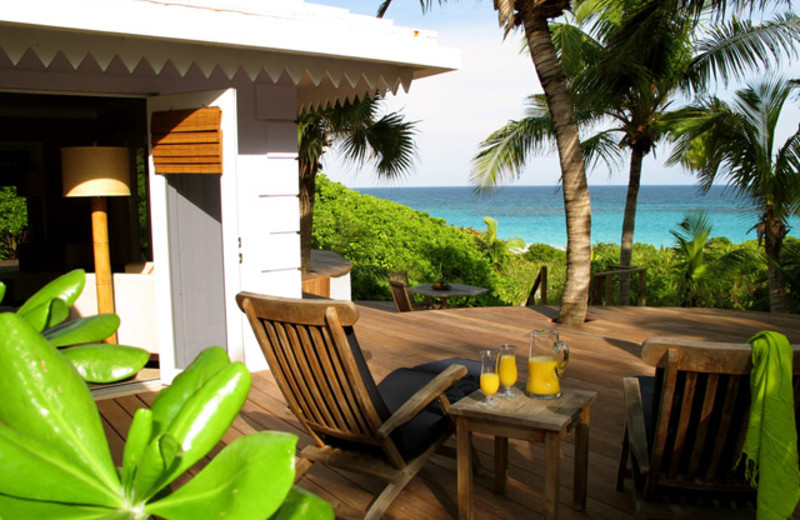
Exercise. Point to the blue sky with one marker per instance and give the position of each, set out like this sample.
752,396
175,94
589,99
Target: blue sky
457,110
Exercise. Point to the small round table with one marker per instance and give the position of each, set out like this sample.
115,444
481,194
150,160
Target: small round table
456,290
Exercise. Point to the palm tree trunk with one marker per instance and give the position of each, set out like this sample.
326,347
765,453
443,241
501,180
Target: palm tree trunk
774,231
573,175
308,178
628,224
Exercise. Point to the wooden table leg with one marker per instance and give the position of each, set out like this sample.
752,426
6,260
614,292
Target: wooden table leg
464,468
581,461
500,463
552,458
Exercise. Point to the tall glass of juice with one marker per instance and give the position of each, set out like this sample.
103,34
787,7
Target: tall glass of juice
507,368
547,360
490,379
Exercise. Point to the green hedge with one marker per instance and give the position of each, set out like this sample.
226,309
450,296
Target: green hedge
379,237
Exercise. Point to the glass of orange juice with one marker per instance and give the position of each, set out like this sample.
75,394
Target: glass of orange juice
547,360
507,369
490,379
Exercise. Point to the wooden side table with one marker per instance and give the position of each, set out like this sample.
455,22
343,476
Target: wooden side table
532,420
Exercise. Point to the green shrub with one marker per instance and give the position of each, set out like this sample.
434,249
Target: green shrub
13,221
379,237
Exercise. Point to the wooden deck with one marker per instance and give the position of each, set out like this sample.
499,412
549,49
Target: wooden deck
603,350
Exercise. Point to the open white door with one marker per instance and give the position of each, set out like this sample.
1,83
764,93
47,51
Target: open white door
195,233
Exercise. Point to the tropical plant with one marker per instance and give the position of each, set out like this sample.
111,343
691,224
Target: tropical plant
80,340
532,16
690,242
363,136
625,88
737,142
57,463
496,249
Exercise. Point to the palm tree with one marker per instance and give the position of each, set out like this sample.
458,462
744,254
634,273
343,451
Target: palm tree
736,142
627,90
387,141
532,16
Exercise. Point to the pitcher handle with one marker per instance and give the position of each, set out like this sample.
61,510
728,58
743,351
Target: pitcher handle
562,348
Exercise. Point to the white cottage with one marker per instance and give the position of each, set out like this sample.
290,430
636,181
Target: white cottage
116,72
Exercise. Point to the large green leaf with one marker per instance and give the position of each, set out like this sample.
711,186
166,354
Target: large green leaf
303,505
247,480
159,456
44,397
66,287
139,435
104,363
83,330
170,400
38,471
207,415
46,314
12,508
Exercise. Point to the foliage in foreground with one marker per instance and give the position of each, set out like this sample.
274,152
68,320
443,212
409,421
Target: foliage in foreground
380,236
57,463
80,340
56,460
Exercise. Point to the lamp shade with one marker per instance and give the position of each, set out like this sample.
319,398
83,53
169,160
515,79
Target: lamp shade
95,171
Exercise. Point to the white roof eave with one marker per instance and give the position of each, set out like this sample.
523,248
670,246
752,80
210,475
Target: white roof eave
313,44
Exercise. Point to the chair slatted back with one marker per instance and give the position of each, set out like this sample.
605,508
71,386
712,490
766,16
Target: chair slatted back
702,403
401,296
312,361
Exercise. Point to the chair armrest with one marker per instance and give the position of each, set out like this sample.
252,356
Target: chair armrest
422,398
637,434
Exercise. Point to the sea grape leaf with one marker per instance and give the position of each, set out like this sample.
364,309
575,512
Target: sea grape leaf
247,480
44,397
66,287
139,435
46,315
83,330
207,415
170,400
21,509
162,453
38,471
303,505
106,363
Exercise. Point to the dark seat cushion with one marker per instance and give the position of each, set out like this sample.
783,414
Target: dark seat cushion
416,435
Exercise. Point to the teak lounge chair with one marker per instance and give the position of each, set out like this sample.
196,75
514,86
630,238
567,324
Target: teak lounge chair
386,431
685,429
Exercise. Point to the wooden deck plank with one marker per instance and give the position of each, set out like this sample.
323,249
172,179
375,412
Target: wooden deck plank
603,351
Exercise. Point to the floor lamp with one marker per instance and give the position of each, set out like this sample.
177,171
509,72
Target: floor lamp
98,172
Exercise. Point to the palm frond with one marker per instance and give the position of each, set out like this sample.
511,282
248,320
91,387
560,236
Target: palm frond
736,47
602,147
503,154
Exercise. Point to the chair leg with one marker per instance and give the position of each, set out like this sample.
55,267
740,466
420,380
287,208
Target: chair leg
303,464
622,469
393,489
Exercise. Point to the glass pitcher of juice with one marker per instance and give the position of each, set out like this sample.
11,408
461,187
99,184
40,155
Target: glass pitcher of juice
546,362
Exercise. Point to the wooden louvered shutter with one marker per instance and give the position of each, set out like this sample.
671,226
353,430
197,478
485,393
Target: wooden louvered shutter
187,141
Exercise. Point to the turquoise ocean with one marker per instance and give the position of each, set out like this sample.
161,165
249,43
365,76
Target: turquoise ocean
536,213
